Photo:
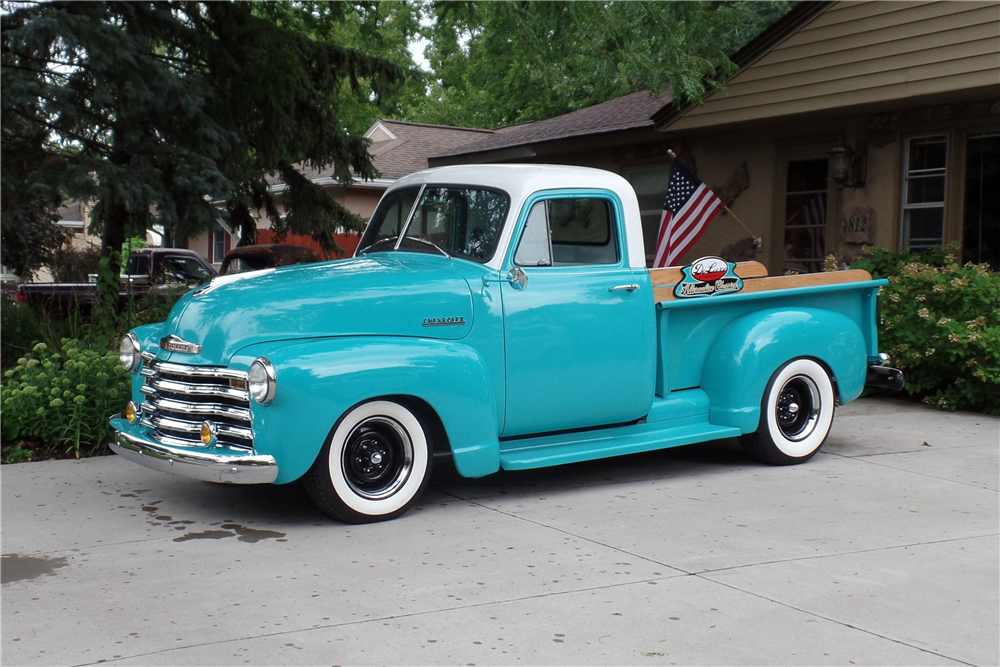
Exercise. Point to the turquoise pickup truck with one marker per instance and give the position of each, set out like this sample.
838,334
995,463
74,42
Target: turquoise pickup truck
502,315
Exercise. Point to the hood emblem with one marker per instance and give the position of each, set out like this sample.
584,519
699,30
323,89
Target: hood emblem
443,321
174,343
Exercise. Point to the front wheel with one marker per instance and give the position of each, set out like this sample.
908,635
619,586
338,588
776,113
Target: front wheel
374,466
796,414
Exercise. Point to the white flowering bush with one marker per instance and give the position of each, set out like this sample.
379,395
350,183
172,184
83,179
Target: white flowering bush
941,325
63,399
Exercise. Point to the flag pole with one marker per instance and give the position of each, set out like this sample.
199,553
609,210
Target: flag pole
739,221
673,156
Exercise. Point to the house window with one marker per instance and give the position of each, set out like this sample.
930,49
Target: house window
981,227
218,246
923,192
650,185
806,198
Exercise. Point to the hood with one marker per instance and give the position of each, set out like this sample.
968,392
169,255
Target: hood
383,294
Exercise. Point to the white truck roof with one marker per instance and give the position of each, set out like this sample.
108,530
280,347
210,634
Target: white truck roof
520,181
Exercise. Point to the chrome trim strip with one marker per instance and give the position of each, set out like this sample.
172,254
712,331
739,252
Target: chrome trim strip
174,441
208,409
174,424
197,371
224,465
177,387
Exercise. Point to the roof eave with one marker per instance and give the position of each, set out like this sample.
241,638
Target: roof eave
776,33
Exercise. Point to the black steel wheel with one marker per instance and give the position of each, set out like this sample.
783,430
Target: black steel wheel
796,414
374,466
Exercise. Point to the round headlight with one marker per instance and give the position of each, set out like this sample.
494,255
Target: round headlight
128,352
261,381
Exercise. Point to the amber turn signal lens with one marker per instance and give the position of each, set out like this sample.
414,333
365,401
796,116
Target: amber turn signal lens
132,411
209,432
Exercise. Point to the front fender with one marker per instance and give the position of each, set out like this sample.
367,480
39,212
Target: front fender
149,336
750,348
318,381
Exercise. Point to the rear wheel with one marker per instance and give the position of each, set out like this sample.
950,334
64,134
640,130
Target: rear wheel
374,466
796,414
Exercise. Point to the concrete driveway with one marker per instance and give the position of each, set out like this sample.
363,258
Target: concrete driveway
881,550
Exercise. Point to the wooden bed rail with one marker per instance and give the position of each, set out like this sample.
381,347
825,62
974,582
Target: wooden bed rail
755,279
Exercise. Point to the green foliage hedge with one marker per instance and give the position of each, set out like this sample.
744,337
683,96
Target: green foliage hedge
63,399
941,326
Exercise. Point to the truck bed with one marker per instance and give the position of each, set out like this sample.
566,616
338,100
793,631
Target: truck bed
686,328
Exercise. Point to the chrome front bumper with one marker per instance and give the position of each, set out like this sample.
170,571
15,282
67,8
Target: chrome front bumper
228,466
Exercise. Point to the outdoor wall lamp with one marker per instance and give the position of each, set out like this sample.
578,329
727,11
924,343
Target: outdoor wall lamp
847,168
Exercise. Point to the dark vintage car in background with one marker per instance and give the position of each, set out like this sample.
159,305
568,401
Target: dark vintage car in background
146,268
257,257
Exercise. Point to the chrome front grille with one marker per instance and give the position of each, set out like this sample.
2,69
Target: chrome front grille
178,398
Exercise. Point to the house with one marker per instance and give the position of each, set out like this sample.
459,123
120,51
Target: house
618,135
398,148
848,123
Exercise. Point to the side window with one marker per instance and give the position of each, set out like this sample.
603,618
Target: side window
534,248
576,231
182,269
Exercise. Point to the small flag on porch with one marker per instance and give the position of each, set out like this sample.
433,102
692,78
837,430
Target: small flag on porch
687,210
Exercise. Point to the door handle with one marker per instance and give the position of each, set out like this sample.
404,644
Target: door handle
628,288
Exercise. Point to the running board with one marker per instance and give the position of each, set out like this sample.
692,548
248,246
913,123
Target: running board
553,450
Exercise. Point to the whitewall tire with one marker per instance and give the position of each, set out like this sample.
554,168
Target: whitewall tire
796,414
374,466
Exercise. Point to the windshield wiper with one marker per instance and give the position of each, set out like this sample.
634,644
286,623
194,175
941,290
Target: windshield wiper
430,243
366,250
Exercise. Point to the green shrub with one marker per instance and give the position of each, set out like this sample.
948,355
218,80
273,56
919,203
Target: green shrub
63,399
24,325
941,325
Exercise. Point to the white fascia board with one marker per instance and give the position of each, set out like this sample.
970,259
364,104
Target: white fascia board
377,125
330,180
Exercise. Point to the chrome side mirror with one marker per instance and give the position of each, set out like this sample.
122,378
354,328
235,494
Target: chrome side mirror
517,278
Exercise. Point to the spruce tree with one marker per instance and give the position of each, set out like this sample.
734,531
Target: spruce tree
179,111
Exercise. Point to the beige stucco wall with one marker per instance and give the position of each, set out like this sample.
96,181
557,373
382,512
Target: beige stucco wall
200,245
764,149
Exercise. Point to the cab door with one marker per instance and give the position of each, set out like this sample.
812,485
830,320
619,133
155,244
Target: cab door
576,355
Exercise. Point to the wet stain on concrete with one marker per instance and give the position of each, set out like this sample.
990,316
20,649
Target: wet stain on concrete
242,533
18,567
205,535
252,535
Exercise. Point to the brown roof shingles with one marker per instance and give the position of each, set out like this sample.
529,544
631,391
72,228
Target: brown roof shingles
407,153
415,143
623,113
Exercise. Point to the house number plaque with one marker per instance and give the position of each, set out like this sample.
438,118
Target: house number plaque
858,226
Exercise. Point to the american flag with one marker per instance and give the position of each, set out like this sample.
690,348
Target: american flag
687,210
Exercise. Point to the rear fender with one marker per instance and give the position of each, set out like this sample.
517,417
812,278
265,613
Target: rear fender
318,381
749,349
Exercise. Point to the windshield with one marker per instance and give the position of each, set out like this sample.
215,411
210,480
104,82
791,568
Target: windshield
457,221
245,263
179,269
388,219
